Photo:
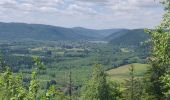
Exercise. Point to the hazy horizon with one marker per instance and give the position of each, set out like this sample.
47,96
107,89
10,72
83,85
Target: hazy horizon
73,26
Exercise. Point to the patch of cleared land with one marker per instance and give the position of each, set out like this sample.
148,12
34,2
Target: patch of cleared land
122,73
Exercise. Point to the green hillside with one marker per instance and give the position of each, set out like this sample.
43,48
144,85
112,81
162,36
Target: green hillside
129,37
97,34
116,34
23,31
15,31
121,73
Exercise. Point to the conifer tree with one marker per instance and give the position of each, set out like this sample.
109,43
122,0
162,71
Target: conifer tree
98,88
133,86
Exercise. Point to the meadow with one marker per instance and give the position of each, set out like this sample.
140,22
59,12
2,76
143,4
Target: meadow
122,73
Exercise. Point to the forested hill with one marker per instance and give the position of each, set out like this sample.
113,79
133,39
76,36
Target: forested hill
128,37
100,34
23,31
17,31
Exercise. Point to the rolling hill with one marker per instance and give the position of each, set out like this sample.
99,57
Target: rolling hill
116,34
23,31
98,34
128,37
18,31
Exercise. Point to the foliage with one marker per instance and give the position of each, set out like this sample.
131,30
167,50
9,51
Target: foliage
12,86
98,88
133,86
166,81
39,63
160,59
2,63
52,94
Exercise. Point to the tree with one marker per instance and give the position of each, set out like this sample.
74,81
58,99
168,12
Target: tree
12,86
166,81
160,59
98,88
70,82
2,62
133,86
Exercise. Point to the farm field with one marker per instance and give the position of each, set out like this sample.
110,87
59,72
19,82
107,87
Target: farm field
122,73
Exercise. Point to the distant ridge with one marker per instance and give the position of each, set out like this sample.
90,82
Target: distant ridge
16,31
23,31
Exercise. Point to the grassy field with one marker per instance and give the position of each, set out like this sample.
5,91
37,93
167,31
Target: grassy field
122,73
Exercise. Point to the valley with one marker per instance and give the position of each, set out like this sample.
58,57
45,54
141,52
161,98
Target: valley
112,48
84,49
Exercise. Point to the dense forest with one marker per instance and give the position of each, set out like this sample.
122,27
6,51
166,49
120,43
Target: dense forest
67,64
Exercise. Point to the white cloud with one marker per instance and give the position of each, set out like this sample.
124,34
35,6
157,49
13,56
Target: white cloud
31,5
48,9
87,13
133,4
80,9
7,1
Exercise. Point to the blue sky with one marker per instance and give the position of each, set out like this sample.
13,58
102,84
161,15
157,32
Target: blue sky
97,14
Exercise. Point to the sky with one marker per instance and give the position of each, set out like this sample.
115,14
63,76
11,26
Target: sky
94,14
